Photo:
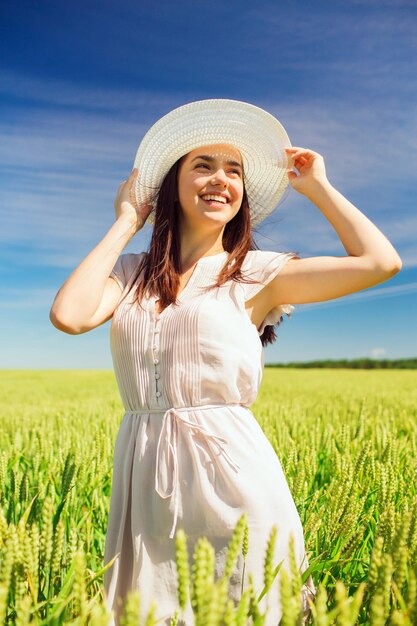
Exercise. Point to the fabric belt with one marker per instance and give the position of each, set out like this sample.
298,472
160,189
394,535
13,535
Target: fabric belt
167,450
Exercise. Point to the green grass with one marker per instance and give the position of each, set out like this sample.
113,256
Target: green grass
346,440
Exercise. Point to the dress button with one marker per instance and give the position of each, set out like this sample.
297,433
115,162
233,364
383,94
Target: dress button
155,347
158,393
156,361
157,375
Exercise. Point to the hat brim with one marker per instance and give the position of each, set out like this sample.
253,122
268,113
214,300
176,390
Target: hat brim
257,134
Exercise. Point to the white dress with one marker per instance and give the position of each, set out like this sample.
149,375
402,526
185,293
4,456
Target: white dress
189,453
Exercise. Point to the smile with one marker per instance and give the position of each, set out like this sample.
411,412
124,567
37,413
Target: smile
213,202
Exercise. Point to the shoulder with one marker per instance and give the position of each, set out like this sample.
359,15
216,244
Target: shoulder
263,266
126,266
260,259
130,260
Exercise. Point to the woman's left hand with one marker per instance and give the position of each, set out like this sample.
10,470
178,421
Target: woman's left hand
310,166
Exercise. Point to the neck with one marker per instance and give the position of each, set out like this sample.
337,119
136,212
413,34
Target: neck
192,251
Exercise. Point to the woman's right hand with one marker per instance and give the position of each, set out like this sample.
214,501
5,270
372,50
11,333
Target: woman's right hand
125,205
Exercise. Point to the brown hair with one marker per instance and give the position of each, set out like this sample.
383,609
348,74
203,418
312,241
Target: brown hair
161,265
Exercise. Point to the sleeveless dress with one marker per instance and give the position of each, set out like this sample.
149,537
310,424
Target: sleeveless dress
189,453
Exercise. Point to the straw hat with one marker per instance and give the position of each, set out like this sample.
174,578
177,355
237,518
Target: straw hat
257,134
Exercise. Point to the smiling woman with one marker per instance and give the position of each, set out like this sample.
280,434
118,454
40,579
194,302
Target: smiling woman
213,178
190,318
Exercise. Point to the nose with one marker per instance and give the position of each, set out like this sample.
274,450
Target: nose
219,176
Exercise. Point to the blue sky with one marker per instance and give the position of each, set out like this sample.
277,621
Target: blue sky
81,83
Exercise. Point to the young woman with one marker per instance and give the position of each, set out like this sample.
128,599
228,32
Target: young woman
190,319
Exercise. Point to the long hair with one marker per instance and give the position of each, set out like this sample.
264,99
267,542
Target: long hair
161,266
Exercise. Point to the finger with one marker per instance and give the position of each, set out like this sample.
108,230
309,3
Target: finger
302,159
295,157
293,150
132,195
131,185
296,151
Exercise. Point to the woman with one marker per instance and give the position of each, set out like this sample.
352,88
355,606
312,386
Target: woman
190,318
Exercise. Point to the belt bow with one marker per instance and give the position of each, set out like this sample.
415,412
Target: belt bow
167,451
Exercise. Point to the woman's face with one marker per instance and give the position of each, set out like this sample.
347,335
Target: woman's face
211,170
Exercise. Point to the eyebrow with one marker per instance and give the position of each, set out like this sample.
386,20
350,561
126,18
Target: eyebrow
206,157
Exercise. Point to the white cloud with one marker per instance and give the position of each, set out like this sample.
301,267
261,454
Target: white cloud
16,297
378,353
368,294
28,298
62,93
64,166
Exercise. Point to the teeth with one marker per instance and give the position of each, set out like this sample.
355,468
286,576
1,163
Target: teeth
216,198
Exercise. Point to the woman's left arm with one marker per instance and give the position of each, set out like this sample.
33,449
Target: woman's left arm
371,257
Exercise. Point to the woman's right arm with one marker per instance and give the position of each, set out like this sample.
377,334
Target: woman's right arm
89,296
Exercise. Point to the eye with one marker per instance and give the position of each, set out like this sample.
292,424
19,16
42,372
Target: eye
206,166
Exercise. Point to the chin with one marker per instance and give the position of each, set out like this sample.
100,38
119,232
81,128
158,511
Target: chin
217,216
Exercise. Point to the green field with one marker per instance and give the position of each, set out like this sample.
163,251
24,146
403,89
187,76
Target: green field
347,442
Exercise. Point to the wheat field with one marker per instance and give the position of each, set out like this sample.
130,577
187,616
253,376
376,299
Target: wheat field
347,444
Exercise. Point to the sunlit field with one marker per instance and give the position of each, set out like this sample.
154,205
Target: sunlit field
347,442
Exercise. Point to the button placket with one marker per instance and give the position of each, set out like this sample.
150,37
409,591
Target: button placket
155,349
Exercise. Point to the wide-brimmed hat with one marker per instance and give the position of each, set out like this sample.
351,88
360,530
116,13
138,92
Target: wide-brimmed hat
257,134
